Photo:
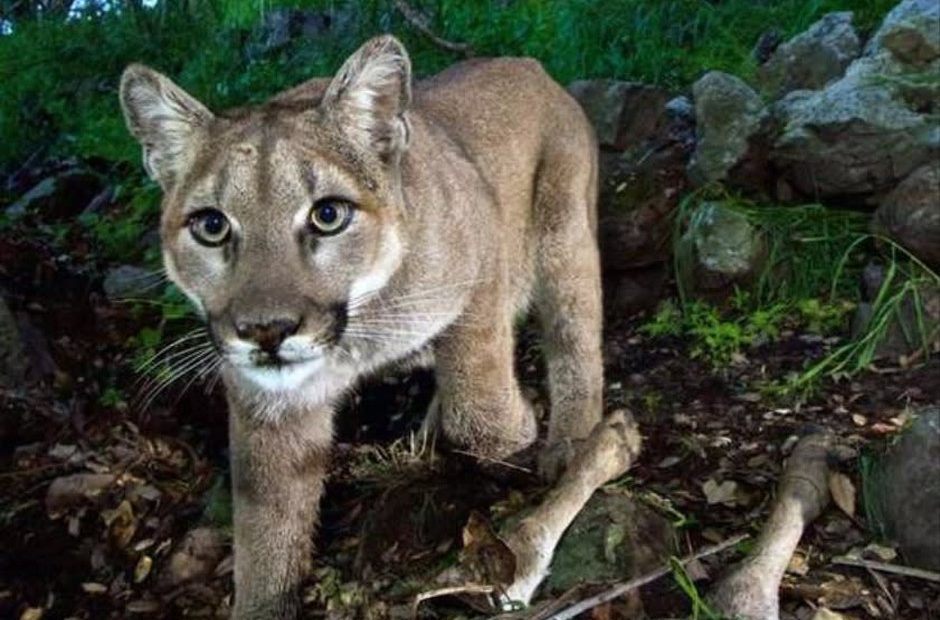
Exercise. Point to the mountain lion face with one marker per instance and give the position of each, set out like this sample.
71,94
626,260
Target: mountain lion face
279,223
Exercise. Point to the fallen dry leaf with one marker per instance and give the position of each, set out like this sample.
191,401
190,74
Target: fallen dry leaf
724,493
92,587
843,492
142,569
798,565
122,525
827,614
31,613
68,491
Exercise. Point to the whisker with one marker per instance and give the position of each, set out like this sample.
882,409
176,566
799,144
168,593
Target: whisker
195,362
201,331
174,357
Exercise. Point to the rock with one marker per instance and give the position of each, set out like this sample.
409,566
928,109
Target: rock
910,214
281,26
69,491
126,281
40,192
639,191
908,490
624,114
62,195
860,135
767,44
195,557
614,538
727,113
13,363
630,291
910,32
681,109
813,58
723,245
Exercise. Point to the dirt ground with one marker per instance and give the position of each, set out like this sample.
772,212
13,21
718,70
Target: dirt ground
147,534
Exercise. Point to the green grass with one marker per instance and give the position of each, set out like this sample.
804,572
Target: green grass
808,280
60,77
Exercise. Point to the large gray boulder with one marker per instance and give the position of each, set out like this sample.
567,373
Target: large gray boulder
13,363
728,113
909,32
860,135
910,214
813,58
909,490
624,114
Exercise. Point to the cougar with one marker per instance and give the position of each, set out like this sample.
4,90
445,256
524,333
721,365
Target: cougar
354,222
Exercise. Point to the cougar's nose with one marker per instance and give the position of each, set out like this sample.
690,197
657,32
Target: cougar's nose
269,335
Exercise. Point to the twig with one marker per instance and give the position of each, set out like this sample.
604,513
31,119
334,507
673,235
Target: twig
499,462
622,588
884,567
470,588
420,23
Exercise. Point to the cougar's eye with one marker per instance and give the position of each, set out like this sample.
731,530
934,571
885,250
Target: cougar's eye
210,227
330,216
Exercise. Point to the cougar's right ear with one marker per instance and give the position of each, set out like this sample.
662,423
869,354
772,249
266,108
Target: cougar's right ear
166,120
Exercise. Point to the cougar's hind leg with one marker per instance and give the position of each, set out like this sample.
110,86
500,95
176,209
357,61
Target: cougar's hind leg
568,302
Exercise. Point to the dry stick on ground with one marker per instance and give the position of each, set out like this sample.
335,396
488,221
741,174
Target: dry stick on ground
750,591
623,588
607,453
419,22
884,567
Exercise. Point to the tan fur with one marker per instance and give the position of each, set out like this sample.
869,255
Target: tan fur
475,199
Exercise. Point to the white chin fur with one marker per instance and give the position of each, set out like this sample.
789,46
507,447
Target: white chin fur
283,379
302,386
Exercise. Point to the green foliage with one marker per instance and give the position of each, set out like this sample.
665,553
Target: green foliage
60,76
717,336
899,304
822,318
112,397
118,235
667,321
218,503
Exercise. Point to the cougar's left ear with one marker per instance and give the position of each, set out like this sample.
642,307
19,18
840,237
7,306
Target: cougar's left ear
370,94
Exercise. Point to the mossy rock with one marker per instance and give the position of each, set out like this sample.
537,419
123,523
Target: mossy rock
616,537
